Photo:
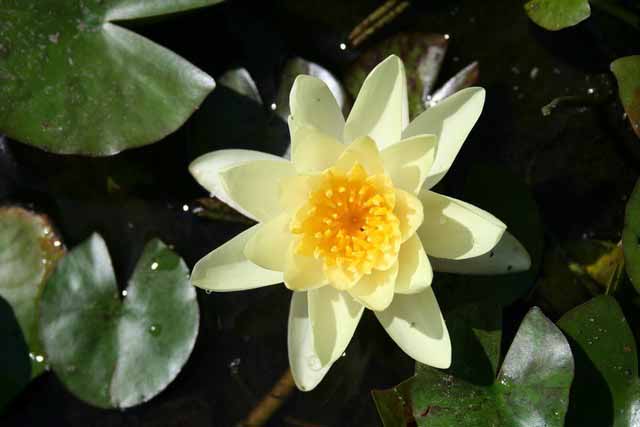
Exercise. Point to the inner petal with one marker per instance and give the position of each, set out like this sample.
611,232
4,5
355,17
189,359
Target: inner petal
348,222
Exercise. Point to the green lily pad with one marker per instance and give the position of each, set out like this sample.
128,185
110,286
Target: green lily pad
631,237
29,250
531,389
606,388
627,72
556,15
73,82
111,351
422,55
15,368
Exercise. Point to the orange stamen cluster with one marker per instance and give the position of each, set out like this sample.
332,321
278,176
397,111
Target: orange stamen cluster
348,222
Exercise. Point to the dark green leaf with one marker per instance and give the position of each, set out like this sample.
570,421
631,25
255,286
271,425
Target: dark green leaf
422,55
112,352
29,250
631,237
73,82
627,72
531,390
557,14
15,368
606,387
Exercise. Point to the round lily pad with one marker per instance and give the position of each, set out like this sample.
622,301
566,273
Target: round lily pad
631,237
112,348
73,82
627,72
557,14
29,249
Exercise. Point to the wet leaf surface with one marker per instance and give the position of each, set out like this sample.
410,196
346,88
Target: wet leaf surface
531,388
72,81
15,366
29,251
631,237
627,72
557,14
115,349
606,389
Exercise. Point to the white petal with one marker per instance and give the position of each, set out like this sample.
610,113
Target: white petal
508,256
375,291
312,103
302,273
255,186
410,212
415,273
227,269
334,316
269,244
305,366
451,120
311,150
379,110
294,192
408,162
455,229
206,170
363,151
415,323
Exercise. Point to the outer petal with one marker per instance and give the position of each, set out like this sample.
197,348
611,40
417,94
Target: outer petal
508,256
227,269
415,273
305,365
302,272
269,244
410,212
415,323
454,229
375,291
294,192
364,151
311,102
408,162
255,186
334,316
313,151
379,108
451,120
206,170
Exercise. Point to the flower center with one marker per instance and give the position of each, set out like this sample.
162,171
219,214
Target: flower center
348,222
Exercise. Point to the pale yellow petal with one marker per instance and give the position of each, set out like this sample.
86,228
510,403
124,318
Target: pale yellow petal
255,186
375,291
363,151
269,244
294,192
334,316
206,170
416,324
408,162
454,229
313,151
379,109
415,273
312,103
306,368
409,211
302,272
451,120
227,269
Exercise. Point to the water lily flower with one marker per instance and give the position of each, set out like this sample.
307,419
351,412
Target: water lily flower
350,221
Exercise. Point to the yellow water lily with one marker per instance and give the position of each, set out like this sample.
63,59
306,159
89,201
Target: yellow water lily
350,222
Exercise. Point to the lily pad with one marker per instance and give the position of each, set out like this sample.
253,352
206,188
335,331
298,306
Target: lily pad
556,15
111,351
631,237
73,82
531,389
627,72
422,55
29,250
15,368
606,389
